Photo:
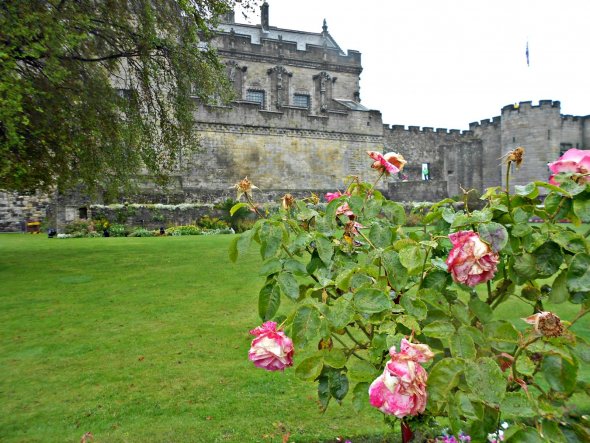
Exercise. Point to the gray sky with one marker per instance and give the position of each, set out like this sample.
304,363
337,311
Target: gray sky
446,63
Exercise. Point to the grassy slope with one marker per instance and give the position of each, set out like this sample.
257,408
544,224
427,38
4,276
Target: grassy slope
143,339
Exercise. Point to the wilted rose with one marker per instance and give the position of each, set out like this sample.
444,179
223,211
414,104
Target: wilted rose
575,161
244,187
345,210
545,323
401,389
471,261
287,201
389,163
271,349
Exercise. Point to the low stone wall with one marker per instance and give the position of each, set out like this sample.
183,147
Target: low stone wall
16,210
417,191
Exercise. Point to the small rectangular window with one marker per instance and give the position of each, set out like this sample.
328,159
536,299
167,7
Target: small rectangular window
255,96
301,101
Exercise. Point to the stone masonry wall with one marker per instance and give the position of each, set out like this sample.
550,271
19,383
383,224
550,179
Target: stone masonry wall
16,210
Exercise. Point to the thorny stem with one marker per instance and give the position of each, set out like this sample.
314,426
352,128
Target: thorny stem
508,205
424,267
561,202
367,240
253,206
490,296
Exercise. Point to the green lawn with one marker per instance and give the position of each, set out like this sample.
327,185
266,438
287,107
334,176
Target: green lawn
144,340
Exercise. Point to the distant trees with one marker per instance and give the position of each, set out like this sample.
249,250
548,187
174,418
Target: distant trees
92,91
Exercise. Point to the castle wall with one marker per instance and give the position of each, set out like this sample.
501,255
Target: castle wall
572,131
16,210
490,134
454,158
538,130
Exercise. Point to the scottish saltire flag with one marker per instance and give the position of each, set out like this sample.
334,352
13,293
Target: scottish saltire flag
527,55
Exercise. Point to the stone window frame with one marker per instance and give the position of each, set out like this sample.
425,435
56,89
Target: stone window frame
256,90
300,95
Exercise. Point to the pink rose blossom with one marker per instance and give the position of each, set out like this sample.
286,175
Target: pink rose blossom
401,389
389,163
271,349
334,195
574,161
471,261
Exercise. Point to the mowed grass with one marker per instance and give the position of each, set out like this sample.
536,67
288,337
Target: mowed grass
145,340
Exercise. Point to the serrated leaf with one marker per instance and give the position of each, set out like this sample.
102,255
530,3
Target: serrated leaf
443,377
481,310
516,405
310,368
439,329
324,248
529,190
343,279
380,236
559,292
269,300
486,381
361,371
412,258
527,435
233,249
578,273
582,207
288,285
395,212
335,358
414,307
338,385
462,345
396,273
371,301
360,396
559,373
548,259
270,266
409,322
501,335
340,314
306,325
495,234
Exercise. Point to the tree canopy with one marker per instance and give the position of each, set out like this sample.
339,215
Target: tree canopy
94,91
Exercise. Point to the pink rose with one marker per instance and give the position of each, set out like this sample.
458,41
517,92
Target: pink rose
401,389
471,261
389,163
575,161
271,349
334,195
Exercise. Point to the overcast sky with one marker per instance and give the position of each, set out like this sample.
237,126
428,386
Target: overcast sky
446,63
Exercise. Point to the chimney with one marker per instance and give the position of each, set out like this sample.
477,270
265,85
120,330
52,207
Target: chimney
264,16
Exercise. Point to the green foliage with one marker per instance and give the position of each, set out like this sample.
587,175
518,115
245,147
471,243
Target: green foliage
207,222
93,92
361,290
184,230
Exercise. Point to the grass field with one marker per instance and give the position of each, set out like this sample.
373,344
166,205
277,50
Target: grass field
144,340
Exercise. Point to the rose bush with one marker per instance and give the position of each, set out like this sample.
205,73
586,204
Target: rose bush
350,284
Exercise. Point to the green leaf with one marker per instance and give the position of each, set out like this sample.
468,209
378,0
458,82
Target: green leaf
324,248
371,301
288,285
548,259
502,335
244,241
414,307
578,274
521,230
360,397
559,373
526,435
481,310
443,377
409,322
361,370
462,345
559,292
516,405
395,212
553,188
396,273
310,368
495,234
529,190
295,267
439,329
380,236
525,365
340,314
486,381
306,325
270,266
436,279
235,208
582,207
271,238
412,258
338,385
324,395
335,358
525,266
269,300
552,432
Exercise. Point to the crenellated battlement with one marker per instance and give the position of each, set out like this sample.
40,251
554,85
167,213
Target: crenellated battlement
426,130
526,106
493,122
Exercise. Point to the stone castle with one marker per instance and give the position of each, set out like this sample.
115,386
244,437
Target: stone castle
297,125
